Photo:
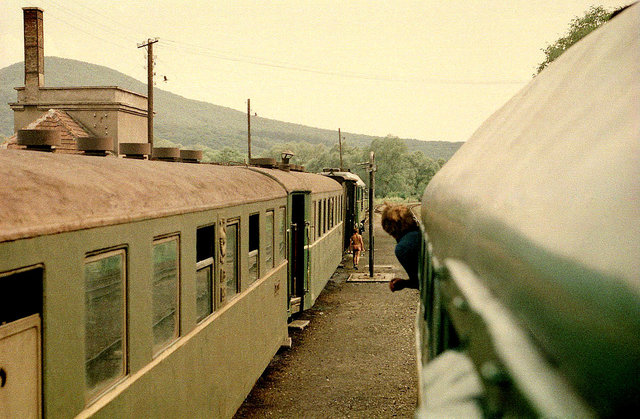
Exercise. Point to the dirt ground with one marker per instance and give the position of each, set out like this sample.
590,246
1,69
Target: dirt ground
355,359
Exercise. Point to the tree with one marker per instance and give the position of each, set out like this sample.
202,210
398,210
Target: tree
579,27
393,176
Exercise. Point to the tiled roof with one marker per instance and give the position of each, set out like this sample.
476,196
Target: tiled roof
59,120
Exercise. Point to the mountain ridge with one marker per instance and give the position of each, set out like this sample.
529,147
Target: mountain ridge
191,122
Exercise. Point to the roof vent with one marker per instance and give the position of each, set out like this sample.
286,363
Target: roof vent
95,146
166,153
191,156
135,150
39,139
297,168
264,162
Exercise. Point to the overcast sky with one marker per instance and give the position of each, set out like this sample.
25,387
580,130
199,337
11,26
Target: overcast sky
431,70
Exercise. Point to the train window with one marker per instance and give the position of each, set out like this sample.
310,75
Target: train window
324,216
165,295
333,211
330,213
231,262
205,240
282,234
254,248
314,227
105,319
24,287
268,232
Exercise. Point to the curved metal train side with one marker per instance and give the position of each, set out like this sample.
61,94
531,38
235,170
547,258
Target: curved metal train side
530,288
60,213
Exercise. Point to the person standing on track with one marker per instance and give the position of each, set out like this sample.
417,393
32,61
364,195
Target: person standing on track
400,223
357,246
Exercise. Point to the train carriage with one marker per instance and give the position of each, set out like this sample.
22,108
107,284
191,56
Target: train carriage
530,284
315,231
141,288
355,201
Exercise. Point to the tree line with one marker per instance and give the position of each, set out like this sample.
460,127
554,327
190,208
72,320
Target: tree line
400,173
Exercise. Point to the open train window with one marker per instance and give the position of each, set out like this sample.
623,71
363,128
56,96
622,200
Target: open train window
205,240
254,248
165,292
22,294
232,259
105,319
269,233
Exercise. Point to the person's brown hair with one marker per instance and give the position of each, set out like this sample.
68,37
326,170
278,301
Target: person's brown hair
398,220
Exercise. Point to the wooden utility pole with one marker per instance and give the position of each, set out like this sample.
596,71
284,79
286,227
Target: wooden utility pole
340,144
149,45
249,128
372,179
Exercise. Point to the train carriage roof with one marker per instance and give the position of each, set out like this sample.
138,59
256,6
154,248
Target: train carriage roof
346,176
543,201
301,181
44,193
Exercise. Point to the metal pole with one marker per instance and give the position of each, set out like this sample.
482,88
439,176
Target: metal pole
150,96
340,143
249,128
372,179
149,45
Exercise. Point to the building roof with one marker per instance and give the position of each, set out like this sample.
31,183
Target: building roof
55,119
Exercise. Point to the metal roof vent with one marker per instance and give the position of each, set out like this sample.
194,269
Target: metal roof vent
269,162
166,153
191,156
135,150
95,146
39,139
286,158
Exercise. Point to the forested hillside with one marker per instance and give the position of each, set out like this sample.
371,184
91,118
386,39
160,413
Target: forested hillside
191,122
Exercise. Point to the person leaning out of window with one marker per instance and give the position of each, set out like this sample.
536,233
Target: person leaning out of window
400,223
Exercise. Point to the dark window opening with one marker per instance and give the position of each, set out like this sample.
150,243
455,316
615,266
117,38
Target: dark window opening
22,294
254,232
205,242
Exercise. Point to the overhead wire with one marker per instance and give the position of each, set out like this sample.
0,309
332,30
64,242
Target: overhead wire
205,51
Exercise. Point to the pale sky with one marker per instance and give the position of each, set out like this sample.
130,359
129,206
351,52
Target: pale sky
431,70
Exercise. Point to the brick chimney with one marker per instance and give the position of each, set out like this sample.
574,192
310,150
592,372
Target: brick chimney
33,52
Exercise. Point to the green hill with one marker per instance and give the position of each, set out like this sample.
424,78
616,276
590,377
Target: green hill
191,122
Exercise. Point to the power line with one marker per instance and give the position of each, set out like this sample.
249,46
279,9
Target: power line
208,52
194,49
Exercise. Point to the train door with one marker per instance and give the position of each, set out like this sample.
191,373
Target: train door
298,253
20,344
350,212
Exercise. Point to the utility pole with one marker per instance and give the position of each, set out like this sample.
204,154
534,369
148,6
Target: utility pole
149,45
340,143
372,179
249,128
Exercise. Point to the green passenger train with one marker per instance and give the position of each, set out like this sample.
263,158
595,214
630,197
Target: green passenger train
152,289
530,281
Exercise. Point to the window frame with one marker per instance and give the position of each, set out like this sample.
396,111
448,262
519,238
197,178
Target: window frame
91,395
177,332
271,239
209,262
230,222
